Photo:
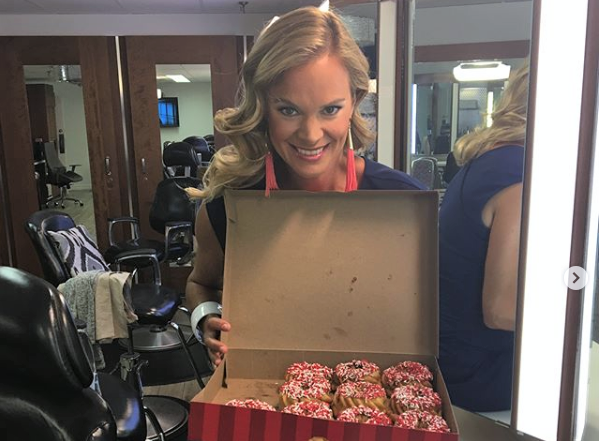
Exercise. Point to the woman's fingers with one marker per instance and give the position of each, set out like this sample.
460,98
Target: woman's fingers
212,329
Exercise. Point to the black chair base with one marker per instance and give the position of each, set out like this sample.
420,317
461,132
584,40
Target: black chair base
59,200
172,414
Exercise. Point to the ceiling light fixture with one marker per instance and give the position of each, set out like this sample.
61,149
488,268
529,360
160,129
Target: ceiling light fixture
481,71
324,6
178,78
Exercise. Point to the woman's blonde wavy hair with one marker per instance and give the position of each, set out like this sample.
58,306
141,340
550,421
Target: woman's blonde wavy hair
509,122
297,38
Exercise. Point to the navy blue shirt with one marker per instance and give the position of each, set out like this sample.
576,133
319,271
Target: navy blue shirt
476,361
375,177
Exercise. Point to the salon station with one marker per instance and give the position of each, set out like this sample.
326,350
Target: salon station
108,119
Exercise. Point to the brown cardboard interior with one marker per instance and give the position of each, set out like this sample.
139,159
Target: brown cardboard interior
331,271
258,374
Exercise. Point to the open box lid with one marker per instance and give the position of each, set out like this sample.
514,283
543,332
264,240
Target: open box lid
332,271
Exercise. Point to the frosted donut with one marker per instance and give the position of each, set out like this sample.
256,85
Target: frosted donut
294,391
250,404
357,394
415,397
314,409
415,419
407,372
304,368
366,415
357,370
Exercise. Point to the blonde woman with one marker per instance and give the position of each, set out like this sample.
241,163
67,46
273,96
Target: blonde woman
479,237
297,126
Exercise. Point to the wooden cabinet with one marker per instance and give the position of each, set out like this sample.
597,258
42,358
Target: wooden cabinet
42,113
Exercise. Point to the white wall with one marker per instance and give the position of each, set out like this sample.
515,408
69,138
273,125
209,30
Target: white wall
195,110
473,23
70,117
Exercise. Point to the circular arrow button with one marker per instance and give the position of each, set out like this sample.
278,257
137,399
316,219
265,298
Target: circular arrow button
576,278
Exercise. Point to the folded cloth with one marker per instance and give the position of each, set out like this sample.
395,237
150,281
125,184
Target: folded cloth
96,297
112,311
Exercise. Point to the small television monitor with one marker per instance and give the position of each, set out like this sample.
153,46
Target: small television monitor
168,112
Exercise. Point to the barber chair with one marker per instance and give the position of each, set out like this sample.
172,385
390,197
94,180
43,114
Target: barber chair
154,304
425,170
202,147
46,377
171,214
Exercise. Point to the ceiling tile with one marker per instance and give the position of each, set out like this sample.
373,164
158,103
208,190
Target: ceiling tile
80,6
20,7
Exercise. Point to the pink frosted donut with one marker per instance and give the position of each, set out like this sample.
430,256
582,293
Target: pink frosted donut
407,372
357,394
306,389
415,397
366,415
250,404
314,409
416,419
314,369
358,370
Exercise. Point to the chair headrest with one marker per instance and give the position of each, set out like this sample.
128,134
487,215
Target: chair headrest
201,146
39,343
180,154
36,226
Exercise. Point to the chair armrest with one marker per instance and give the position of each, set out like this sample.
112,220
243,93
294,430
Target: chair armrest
73,166
172,229
112,221
142,253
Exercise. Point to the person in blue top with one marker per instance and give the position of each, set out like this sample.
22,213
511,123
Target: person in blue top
297,126
479,238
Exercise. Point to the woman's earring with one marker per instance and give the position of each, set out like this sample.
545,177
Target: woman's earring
271,179
351,180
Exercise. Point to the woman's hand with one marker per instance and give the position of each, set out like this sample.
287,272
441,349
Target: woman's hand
211,329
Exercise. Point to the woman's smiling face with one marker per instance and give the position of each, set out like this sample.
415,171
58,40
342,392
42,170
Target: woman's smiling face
308,119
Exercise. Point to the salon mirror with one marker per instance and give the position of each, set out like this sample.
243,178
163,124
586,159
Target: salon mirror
184,94
362,21
455,36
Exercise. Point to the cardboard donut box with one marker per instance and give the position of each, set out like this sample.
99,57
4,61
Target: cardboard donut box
322,277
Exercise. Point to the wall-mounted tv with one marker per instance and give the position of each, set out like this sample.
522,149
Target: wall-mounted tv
168,112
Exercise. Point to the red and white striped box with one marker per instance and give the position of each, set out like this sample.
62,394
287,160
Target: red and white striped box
327,278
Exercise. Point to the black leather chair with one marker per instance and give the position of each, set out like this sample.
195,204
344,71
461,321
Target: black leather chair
154,304
202,147
45,374
59,176
171,214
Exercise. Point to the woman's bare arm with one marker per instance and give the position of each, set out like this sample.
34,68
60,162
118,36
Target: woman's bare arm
205,284
503,212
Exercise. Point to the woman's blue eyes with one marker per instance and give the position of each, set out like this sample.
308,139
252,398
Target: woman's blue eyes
328,111
288,111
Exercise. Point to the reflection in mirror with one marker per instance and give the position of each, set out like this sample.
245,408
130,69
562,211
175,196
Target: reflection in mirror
57,116
185,107
361,21
479,183
591,416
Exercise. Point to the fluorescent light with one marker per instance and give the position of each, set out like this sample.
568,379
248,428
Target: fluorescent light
489,108
178,78
545,294
324,6
413,119
159,93
372,88
481,71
